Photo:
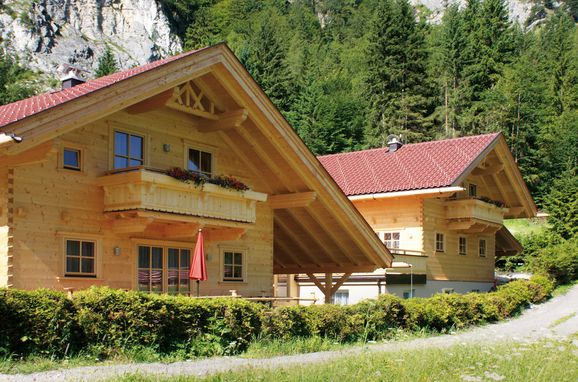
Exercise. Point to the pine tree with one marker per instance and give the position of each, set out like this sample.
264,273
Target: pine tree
396,65
16,82
448,44
107,63
265,59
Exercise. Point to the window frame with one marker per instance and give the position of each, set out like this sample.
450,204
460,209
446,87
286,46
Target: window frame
443,242
485,247
465,246
243,251
201,149
129,133
80,237
392,240
165,246
342,293
474,187
63,164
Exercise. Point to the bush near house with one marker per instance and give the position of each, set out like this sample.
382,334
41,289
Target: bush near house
105,321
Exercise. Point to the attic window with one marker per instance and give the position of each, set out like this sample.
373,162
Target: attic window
128,150
71,159
200,162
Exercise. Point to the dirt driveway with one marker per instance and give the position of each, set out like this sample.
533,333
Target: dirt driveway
536,323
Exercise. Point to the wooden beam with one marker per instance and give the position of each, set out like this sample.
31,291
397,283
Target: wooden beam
296,239
287,251
181,230
151,103
328,287
294,200
224,234
36,154
460,225
340,282
130,225
225,121
515,211
320,239
494,168
323,268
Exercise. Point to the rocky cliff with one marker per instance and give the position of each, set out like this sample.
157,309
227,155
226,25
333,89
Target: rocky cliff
45,34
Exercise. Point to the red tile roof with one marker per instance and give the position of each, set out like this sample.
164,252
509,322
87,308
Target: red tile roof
411,167
18,110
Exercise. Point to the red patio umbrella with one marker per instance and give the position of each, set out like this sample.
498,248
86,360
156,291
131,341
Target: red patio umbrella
198,269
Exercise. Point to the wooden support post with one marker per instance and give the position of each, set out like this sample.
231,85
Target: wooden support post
328,287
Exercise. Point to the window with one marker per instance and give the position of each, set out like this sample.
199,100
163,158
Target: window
128,150
341,297
80,256
482,248
200,162
232,265
162,269
391,239
408,293
463,250
71,159
439,242
472,190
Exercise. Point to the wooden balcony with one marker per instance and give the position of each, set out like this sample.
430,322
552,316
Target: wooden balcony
473,216
144,189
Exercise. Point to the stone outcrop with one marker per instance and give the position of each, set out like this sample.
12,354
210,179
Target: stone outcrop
45,34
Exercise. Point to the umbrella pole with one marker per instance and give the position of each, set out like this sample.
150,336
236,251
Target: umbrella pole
197,288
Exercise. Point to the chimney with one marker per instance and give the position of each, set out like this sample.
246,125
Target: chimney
72,77
393,143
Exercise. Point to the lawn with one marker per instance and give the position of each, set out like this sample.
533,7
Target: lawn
525,227
543,361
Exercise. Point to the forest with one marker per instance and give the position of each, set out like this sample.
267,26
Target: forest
347,73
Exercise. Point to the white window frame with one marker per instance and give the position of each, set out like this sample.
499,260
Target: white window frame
465,246
443,242
341,292
391,240
483,253
243,251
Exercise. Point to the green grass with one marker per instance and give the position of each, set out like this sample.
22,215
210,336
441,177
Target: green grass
563,289
543,361
562,320
525,227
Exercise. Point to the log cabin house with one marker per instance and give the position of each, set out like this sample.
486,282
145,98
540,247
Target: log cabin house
439,207
85,198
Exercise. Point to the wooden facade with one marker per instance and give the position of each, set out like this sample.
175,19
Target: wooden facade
118,219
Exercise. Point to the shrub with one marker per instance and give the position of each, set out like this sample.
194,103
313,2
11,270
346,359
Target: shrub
559,261
38,322
106,321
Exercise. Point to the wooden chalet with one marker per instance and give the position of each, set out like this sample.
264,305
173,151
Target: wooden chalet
85,198
439,207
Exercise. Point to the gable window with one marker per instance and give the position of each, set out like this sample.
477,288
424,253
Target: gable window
80,258
128,150
233,265
163,269
71,159
200,162
482,248
463,246
440,242
472,190
391,239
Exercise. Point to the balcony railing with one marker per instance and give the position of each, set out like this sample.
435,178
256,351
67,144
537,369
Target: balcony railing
144,189
465,209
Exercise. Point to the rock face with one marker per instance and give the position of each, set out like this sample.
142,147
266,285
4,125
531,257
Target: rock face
519,10
45,34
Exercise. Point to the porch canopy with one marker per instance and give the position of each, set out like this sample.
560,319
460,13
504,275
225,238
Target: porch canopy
506,243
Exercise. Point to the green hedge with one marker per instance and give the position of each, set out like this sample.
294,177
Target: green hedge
109,320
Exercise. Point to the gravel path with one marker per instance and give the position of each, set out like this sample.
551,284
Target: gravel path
534,324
